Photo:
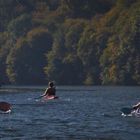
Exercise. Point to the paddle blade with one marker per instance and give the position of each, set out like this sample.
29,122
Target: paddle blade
126,110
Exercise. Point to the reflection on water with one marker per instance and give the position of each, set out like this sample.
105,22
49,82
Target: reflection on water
85,113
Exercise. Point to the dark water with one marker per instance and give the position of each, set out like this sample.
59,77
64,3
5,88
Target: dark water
80,113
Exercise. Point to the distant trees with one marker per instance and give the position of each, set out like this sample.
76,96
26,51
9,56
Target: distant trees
87,8
63,63
19,26
120,58
5,13
125,3
70,41
4,50
27,59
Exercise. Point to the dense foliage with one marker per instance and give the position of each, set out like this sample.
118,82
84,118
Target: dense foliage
72,42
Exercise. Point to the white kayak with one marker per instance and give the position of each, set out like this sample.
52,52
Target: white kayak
130,112
5,112
136,112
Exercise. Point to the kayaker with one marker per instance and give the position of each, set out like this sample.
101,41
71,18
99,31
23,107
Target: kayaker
135,107
50,91
134,110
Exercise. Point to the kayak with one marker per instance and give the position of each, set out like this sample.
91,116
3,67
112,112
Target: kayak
126,111
136,112
5,107
5,112
50,97
130,112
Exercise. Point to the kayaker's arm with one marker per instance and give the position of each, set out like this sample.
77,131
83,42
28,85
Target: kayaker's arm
135,107
45,93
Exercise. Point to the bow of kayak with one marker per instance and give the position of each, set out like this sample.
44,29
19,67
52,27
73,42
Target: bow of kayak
50,97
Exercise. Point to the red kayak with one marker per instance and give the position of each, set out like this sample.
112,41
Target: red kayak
4,106
50,97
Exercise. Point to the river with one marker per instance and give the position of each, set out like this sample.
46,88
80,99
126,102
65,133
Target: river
80,113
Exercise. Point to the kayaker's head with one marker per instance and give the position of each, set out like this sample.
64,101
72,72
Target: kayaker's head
51,84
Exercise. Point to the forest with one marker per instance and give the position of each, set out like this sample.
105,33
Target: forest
71,42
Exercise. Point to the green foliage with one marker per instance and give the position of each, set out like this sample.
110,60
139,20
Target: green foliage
125,3
6,6
122,51
63,65
3,55
27,59
70,41
19,26
87,8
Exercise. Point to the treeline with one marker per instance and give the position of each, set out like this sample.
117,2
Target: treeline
72,42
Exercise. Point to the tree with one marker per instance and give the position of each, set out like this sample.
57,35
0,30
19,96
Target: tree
19,26
63,65
87,8
4,50
27,59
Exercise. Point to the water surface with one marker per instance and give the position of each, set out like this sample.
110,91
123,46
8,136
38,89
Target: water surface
80,113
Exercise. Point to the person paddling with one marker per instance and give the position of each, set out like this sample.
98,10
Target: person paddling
137,106
50,91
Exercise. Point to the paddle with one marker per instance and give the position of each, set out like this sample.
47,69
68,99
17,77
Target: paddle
126,110
38,97
4,106
35,98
